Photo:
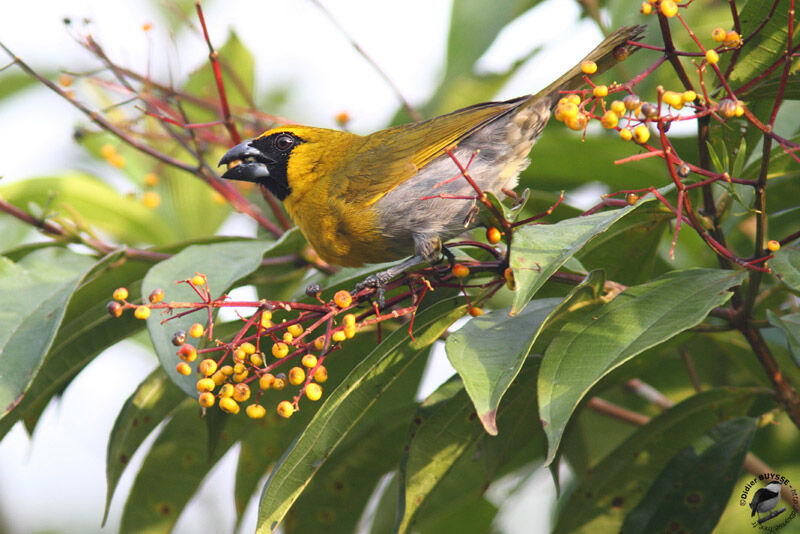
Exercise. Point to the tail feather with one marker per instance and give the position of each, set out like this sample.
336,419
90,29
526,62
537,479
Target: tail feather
605,55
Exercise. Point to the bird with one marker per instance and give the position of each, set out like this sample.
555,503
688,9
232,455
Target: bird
364,199
765,499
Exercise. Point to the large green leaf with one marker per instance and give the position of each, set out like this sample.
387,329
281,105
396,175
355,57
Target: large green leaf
617,484
693,489
538,250
639,318
790,326
450,460
786,264
222,263
346,406
154,399
95,203
34,294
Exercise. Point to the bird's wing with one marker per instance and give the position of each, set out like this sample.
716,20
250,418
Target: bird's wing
388,158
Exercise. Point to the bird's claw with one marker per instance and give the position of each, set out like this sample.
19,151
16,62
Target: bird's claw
377,281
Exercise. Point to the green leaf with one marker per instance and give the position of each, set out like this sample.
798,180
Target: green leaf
639,318
693,489
488,353
174,468
451,460
346,405
223,264
790,325
538,250
154,399
15,82
96,203
786,264
615,486
34,294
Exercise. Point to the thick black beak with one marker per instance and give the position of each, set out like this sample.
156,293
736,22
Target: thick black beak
252,166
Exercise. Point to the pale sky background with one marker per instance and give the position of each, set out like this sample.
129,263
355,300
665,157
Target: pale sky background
56,481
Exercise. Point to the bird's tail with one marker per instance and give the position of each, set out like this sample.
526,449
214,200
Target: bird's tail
611,51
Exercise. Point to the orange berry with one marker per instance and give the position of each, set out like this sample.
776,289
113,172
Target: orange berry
196,330
206,399
460,270
117,160
625,134
712,56
121,293
205,384
198,280
631,198
280,349
600,91
115,308
609,120
646,8
285,409
266,381
280,382
718,34
641,134
227,404
255,411
208,367
773,246
493,235
319,343
187,352
588,66
338,336
673,99
157,295
475,311
151,179
184,368
342,299
226,370
669,8
309,360
577,123
256,359
108,151
65,80
314,391
321,374
147,26
141,312
732,39
296,376
151,199
508,274
241,392
342,118
226,390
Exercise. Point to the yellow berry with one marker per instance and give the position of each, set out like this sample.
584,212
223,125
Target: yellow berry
184,368
688,96
493,235
219,378
151,199
141,312
121,293
739,108
718,34
732,39
569,110
646,8
285,409
727,108
151,179
321,374
238,368
239,355
255,411
712,56
198,280
117,160
349,319
266,381
256,360
287,337
205,384
266,319
600,91
641,134
248,348
669,8
241,392
208,367
108,151
280,382
342,299
226,390
349,331
577,123
187,352
475,311
460,270
296,376
319,343
226,370
673,99
196,330
295,329
625,134
147,26
618,107
574,99
588,66
511,283
280,349
65,80
309,360
239,377
314,392
338,336
227,404
609,120
206,399
773,246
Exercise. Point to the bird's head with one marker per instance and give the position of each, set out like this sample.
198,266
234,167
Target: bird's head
774,485
283,158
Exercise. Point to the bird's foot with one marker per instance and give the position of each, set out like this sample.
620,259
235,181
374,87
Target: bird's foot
377,281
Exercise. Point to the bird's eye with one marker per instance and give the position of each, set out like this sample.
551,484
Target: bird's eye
284,142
